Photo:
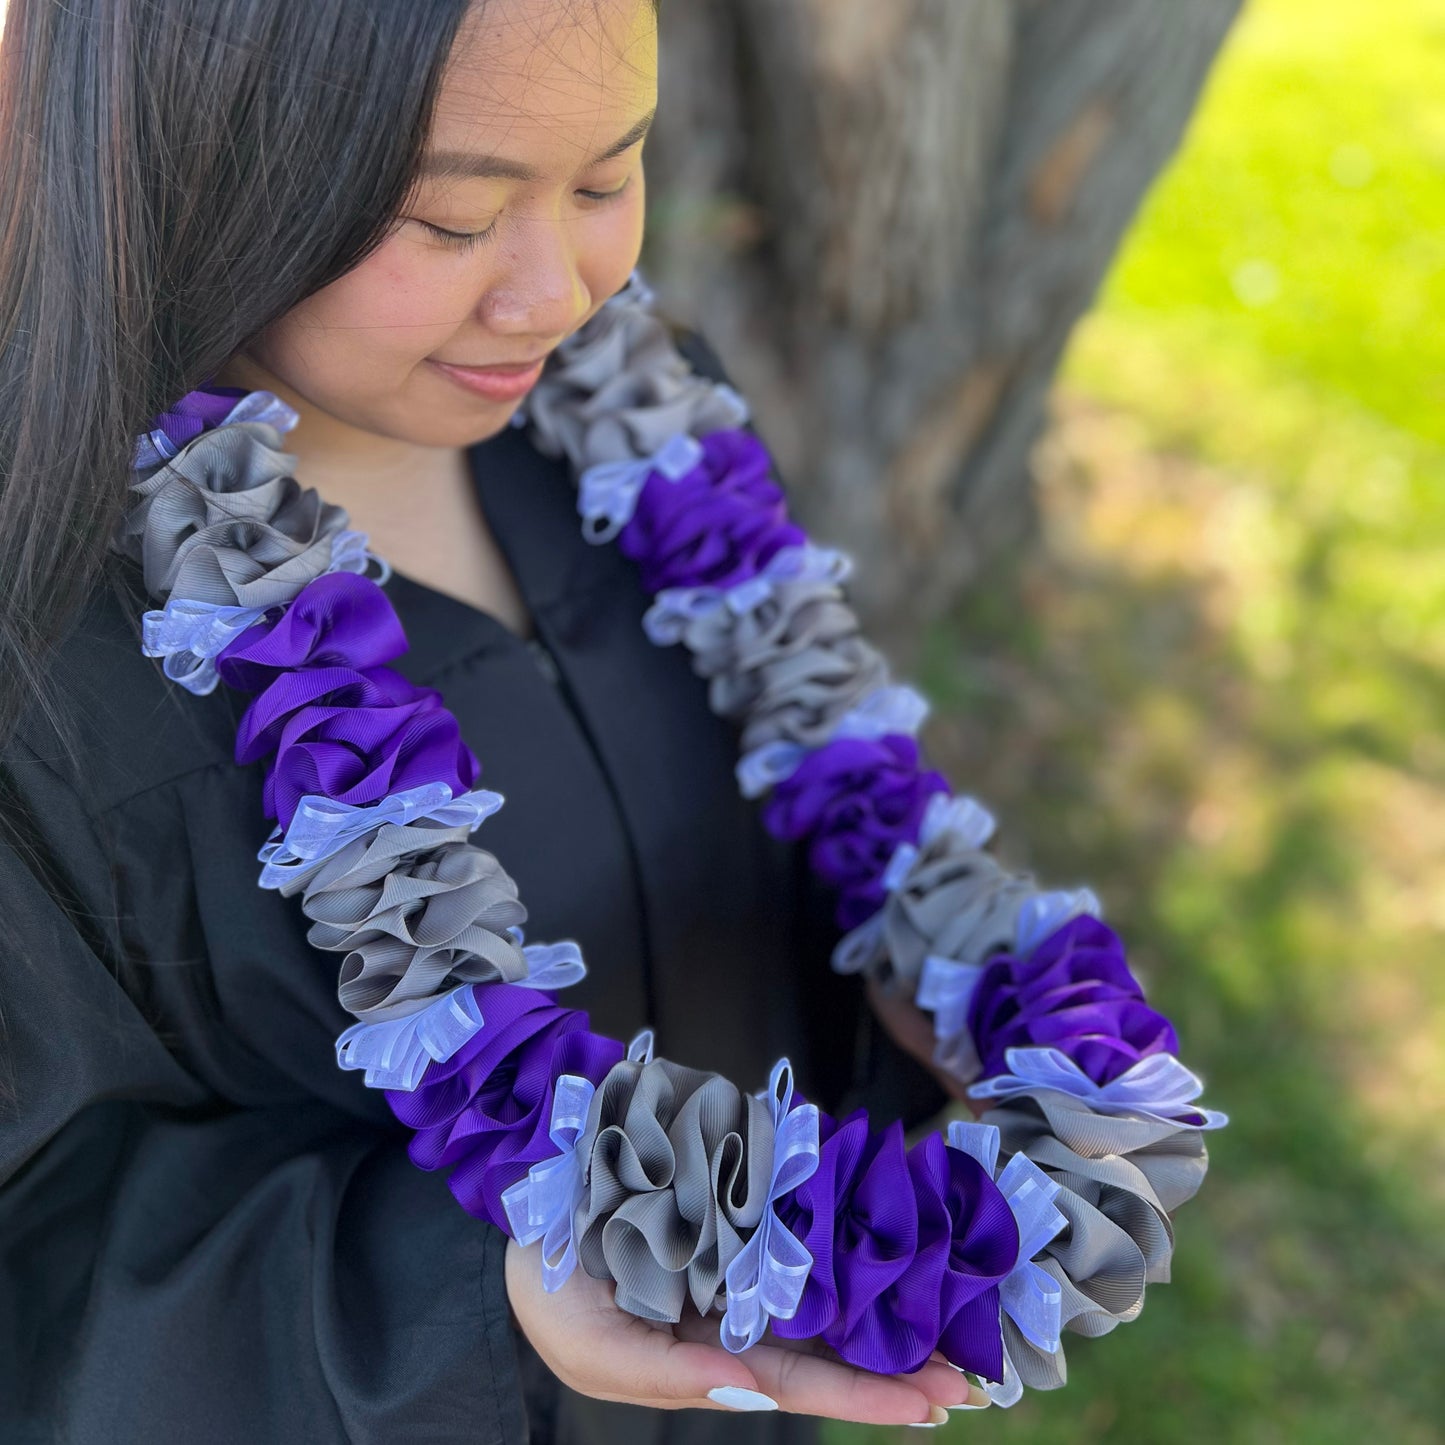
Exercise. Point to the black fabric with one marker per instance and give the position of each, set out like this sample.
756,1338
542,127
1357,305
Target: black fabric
210,1232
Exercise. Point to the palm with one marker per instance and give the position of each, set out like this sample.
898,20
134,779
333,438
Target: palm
602,1351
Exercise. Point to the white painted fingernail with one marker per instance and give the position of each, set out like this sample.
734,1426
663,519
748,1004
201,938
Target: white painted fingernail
737,1398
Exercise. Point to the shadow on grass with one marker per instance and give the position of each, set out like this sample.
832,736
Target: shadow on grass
1114,713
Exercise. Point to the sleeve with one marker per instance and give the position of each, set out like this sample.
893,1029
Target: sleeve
878,1075
177,1268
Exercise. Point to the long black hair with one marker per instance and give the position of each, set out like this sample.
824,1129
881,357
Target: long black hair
174,176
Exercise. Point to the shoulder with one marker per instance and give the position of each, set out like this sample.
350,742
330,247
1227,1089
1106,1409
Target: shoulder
112,726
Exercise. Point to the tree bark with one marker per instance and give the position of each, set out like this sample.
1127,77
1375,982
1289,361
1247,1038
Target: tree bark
887,215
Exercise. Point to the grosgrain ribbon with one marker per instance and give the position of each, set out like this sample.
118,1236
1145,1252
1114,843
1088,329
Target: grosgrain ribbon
765,1281
321,827
1158,1086
892,708
1029,1295
541,1205
154,447
674,607
608,492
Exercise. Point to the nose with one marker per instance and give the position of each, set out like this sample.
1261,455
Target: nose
538,291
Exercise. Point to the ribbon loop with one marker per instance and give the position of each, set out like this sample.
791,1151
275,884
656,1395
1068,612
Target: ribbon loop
765,1280
542,1205
1158,1086
394,1053
321,827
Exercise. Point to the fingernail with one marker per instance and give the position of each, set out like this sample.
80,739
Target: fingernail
937,1415
977,1399
737,1398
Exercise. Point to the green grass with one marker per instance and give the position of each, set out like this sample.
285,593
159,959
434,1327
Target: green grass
1216,691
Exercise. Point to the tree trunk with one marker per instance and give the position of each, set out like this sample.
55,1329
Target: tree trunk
887,215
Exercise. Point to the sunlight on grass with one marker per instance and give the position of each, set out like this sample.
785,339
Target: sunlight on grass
1216,690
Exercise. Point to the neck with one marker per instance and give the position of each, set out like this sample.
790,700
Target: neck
379,480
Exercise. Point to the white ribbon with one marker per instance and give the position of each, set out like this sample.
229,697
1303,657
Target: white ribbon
765,1279
889,708
1042,913
154,447
190,635
1158,1086
1029,1295
674,607
321,827
945,988
549,965
395,1052
608,491
542,1205
349,554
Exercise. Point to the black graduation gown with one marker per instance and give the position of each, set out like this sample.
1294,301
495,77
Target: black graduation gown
208,1231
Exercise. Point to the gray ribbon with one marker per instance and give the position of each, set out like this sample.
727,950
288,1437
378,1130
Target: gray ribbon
225,522
791,665
954,901
414,916
1170,1161
678,1165
618,388
1120,1176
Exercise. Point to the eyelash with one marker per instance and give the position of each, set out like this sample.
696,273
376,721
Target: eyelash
470,240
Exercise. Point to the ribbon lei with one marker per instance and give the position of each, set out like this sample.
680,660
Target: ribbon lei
541,1206
765,1281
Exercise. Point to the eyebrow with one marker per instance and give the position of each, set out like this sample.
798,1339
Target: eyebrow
449,165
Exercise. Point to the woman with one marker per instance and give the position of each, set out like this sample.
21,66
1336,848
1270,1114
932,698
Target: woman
373,211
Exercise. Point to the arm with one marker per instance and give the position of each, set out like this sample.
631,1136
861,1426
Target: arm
174,1267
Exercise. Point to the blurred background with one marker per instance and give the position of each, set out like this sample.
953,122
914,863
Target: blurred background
1173,575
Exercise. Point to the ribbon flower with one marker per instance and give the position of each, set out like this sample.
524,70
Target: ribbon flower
765,1281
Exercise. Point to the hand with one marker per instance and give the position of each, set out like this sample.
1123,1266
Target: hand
602,1351
912,1030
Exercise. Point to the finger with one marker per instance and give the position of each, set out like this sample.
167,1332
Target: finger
808,1378
650,1366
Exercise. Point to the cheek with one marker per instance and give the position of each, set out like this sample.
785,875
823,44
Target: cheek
382,317
616,245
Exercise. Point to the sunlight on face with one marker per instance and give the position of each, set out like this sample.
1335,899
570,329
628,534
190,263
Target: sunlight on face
493,268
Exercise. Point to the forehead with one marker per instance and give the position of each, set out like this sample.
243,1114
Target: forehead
547,83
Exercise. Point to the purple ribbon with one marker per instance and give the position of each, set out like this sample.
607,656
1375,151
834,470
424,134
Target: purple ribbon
1073,992
608,492
1029,1295
715,524
202,410
892,708
854,800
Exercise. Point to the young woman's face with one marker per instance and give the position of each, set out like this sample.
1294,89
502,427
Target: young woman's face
521,225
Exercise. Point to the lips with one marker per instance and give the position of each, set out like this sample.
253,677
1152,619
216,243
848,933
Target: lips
496,383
